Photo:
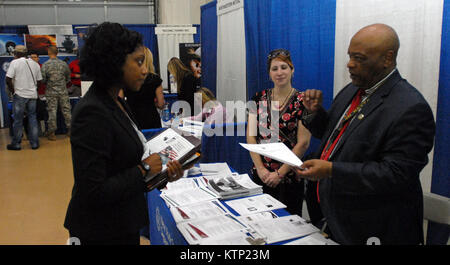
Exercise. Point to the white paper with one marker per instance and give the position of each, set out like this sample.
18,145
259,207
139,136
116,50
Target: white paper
215,169
234,238
194,128
181,184
313,239
255,204
196,231
187,197
283,228
196,211
257,217
277,151
169,145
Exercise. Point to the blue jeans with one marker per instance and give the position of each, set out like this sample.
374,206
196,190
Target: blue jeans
21,104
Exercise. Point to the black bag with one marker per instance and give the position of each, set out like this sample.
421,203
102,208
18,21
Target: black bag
41,110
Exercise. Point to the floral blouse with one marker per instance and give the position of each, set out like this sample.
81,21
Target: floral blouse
289,117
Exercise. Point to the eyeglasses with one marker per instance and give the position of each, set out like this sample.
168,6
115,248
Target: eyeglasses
278,52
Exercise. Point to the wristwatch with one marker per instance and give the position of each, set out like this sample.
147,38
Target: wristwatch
146,168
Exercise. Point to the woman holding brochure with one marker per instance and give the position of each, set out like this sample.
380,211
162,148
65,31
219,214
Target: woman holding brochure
285,103
108,204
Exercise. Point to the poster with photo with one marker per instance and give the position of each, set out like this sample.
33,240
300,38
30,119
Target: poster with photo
190,55
67,44
39,43
8,42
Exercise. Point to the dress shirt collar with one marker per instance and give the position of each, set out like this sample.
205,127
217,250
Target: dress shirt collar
369,91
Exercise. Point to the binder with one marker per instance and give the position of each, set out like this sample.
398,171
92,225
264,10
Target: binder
168,144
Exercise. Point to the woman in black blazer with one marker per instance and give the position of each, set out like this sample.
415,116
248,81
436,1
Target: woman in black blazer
108,204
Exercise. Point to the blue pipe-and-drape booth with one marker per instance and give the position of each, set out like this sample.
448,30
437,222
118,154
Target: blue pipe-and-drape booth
208,36
149,39
317,33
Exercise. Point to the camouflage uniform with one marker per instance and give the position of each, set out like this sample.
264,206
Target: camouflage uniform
56,74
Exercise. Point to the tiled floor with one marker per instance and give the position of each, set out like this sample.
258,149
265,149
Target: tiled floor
35,188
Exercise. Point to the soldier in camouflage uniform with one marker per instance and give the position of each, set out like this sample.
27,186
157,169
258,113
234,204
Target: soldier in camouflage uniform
56,74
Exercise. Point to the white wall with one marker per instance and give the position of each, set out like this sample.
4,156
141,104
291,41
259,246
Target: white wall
180,11
14,12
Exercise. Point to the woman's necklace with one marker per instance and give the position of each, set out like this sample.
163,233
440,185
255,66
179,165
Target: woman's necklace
285,99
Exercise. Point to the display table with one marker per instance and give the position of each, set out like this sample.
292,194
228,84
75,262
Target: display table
163,229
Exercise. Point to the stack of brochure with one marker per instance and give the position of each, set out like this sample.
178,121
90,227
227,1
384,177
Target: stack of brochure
201,210
255,204
219,230
233,186
282,228
186,191
215,169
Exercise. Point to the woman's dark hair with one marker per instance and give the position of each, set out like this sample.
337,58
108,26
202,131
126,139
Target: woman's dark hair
105,50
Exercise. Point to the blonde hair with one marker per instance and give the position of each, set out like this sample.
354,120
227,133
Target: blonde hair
207,95
149,60
178,70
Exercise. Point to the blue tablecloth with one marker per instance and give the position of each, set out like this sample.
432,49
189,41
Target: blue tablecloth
220,147
163,229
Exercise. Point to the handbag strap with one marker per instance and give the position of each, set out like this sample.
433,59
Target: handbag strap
31,72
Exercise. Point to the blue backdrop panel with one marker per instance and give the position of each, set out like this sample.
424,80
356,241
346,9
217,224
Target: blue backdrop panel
440,181
4,64
208,39
16,29
257,16
306,29
226,148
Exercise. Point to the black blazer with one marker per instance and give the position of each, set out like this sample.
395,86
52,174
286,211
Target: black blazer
187,90
375,189
142,103
108,194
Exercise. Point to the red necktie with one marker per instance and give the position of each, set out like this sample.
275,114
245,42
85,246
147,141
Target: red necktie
339,131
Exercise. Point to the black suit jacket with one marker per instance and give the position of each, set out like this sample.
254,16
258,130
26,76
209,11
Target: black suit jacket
108,194
375,189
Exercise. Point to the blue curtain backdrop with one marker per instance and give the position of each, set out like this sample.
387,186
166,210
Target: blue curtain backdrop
15,29
208,36
306,29
440,181
150,39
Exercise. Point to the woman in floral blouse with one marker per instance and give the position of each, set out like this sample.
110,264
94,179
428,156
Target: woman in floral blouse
285,104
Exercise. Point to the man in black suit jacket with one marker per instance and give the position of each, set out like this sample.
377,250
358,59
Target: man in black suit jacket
371,155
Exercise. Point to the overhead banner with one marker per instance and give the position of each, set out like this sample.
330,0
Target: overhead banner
8,42
160,29
50,29
40,43
226,6
67,44
231,53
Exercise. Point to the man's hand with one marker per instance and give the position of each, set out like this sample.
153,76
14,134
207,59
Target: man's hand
312,100
314,170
